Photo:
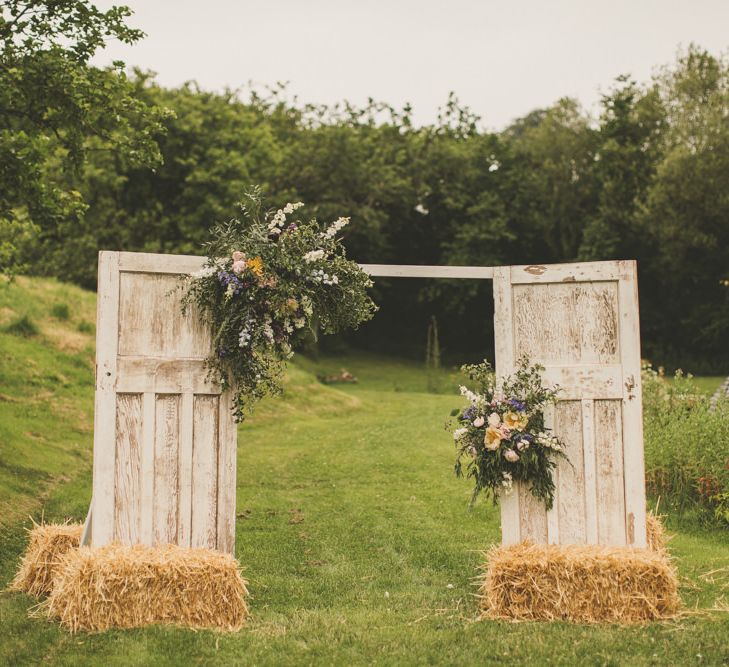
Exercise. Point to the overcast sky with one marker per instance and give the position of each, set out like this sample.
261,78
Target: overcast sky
501,58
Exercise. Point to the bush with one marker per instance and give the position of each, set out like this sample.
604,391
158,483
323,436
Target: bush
686,447
60,311
85,327
22,326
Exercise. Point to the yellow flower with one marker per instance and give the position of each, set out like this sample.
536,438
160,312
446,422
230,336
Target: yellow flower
515,421
256,266
292,304
493,438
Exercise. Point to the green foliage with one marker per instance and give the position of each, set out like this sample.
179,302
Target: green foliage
23,326
686,447
501,433
54,108
268,279
61,311
85,327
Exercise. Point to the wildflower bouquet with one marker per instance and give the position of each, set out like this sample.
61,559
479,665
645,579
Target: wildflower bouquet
269,279
501,433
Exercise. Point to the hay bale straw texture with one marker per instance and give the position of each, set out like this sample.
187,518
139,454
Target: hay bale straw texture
581,584
46,545
655,533
131,586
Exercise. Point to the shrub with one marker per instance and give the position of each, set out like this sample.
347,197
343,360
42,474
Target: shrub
61,311
22,326
686,447
85,327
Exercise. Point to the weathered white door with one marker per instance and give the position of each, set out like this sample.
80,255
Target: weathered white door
164,440
580,321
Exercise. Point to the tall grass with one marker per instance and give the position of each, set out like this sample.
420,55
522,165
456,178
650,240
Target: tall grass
686,448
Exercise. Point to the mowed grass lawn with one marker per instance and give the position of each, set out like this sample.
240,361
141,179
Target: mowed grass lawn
352,529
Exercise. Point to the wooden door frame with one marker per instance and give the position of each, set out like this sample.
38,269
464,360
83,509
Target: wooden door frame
111,263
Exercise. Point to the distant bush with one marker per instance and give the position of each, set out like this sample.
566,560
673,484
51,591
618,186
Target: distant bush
61,311
85,327
23,326
686,448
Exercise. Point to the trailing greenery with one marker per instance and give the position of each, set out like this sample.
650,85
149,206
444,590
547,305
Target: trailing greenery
269,279
502,435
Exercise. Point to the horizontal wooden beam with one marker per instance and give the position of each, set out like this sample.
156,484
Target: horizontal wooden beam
419,271
148,262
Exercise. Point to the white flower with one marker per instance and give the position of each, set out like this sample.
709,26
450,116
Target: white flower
479,422
314,256
459,433
277,222
465,391
205,272
229,291
299,322
507,483
494,419
290,208
335,227
522,445
306,305
549,441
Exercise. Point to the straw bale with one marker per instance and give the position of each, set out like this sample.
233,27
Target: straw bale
46,545
581,584
655,533
132,586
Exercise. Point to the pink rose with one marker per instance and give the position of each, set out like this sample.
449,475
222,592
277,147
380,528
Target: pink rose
511,456
522,445
238,255
239,266
479,422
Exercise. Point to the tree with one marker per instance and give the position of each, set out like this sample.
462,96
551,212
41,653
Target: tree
52,103
687,213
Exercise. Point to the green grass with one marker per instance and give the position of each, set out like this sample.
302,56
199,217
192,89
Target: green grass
356,538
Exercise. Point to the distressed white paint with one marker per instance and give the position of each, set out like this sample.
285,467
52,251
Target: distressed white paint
581,322
150,378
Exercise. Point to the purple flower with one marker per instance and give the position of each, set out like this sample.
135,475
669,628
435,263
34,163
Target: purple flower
469,414
517,405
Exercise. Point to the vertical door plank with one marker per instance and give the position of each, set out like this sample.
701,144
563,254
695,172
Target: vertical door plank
127,475
184,511
149,407
107,331
589,463
610,477
632,406
166,453
553,526
205,472
504,365
227,436
532,517
570,480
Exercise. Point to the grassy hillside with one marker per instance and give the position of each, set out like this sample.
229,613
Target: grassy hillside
353,532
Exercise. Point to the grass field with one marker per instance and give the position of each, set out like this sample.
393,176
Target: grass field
353,530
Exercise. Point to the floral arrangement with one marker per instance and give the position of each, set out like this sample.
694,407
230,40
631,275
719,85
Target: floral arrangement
269,281
501,433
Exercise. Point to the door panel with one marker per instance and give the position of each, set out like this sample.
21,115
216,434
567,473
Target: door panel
164,439
580,321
